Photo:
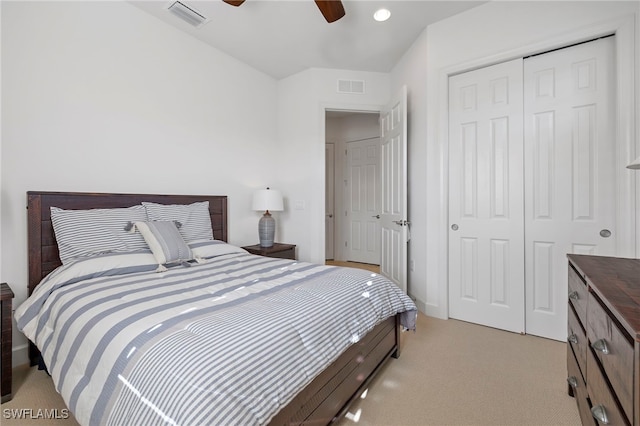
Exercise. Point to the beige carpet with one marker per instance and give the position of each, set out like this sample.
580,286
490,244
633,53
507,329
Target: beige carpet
367,266
449,373
456,373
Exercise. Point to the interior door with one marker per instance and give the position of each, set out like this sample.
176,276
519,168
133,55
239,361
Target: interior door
569,174
486,235
363,192
393,217
329,220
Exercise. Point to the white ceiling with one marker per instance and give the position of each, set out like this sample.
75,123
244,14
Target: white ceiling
283,37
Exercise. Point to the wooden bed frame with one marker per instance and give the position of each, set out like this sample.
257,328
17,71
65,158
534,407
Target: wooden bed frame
325,400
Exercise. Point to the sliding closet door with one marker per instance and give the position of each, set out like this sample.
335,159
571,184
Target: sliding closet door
569,156
486,220
516,211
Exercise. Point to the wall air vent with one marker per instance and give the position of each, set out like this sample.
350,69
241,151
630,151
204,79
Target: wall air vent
351,86
187,14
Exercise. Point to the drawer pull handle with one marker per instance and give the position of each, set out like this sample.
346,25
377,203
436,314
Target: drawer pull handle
574,295
601,346
572,381
598,412
573,339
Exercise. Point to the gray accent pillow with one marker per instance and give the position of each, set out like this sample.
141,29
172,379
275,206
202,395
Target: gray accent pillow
83,233
165,241
194,218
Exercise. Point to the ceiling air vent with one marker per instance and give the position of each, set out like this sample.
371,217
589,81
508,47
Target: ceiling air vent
187,14
351,86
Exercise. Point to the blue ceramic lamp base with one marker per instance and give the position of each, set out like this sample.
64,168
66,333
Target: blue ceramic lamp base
266,230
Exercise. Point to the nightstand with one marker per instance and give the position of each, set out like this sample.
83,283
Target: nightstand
6,296
282,251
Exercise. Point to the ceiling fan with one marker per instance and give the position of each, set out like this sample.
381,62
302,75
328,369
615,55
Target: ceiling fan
332,10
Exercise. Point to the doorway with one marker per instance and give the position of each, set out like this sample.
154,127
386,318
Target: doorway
393,217
352,186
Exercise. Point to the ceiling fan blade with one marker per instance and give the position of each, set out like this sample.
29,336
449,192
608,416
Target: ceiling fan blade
234,2
332,10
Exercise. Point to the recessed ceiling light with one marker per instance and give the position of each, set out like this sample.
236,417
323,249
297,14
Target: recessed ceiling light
381,15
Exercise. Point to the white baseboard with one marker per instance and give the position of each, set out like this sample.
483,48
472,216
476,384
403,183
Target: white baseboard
20,355
422,307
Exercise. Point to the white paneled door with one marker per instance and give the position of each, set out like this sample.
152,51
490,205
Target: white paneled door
570,204
393,218
531,178
486,234
363,192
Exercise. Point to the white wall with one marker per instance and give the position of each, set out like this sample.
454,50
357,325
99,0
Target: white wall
484,35
100,96
302,100
1,188
353,127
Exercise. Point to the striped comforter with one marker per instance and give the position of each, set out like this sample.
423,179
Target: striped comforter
228,341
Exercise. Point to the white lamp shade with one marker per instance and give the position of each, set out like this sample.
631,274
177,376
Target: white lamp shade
267,199
635,165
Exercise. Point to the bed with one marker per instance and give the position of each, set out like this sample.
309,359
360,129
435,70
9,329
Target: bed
324,385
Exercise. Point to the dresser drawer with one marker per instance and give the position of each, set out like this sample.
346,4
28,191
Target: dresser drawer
578,294
614,351
577,339
602,400
578,389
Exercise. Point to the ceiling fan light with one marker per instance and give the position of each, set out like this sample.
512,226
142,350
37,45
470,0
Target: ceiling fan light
381,15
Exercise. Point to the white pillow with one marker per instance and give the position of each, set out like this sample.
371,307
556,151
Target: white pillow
194,219
82,233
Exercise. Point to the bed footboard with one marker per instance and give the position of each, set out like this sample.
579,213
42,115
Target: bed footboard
327,398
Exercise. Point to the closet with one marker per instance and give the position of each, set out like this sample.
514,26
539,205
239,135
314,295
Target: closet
531,178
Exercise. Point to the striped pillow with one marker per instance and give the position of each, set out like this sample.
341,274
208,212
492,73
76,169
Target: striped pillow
82,233
195,221
165,241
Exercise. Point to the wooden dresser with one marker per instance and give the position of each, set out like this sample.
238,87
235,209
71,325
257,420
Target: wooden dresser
6,296
603,353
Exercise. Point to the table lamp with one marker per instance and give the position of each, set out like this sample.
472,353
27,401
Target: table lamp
267,200
635,165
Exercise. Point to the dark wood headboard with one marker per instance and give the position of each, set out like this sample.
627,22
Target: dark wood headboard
43,248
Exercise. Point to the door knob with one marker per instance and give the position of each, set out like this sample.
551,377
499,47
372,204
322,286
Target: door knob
376,216
454,227
329,216
605,233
